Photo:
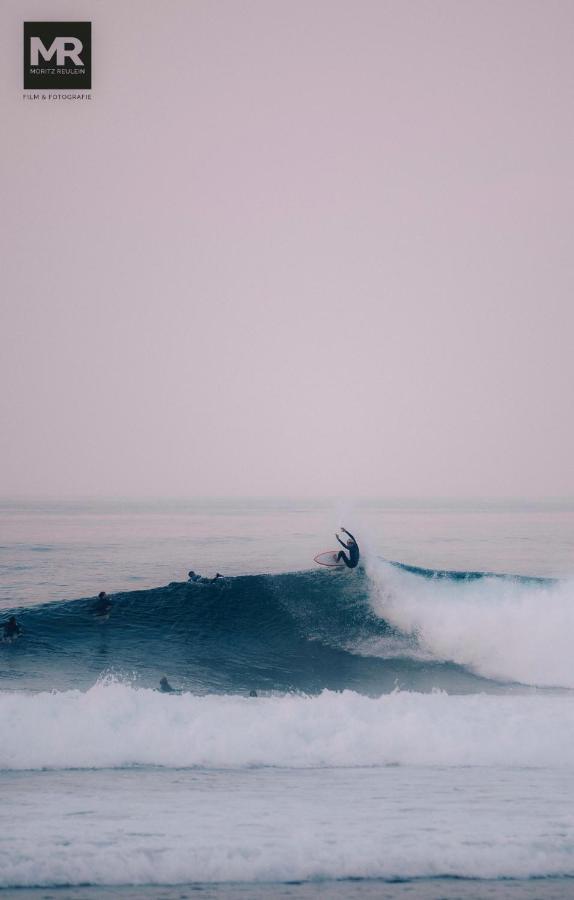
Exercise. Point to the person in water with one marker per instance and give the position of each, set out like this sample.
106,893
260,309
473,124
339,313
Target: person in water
165,687
351,545
11,629
103,605
199,579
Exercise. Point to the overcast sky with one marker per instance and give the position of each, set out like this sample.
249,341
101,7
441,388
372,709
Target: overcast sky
292,247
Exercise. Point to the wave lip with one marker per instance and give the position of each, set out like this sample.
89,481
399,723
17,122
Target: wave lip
114,725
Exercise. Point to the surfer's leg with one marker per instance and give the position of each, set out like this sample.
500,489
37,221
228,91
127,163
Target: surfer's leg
342,556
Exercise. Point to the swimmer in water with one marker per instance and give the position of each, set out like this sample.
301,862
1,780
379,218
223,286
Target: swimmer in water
352,560
165,687
103,605
11,629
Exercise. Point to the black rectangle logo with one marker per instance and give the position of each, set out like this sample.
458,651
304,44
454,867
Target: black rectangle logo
58,55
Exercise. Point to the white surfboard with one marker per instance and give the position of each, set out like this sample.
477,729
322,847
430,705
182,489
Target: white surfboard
329,558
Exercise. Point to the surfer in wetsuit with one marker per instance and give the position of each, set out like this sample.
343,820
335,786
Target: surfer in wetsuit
11,629
103,605
165,687
199,579
351,545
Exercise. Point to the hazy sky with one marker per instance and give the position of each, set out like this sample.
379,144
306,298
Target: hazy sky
292,247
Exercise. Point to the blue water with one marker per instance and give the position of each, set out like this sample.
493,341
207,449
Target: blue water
414,719
304,631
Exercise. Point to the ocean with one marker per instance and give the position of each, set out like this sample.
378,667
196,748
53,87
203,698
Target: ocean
399,731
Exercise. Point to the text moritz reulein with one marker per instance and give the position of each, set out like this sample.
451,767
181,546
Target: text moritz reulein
58,55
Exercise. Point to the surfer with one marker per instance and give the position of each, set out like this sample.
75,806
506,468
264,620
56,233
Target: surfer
199,579
103,605
351,545
165,687
11,629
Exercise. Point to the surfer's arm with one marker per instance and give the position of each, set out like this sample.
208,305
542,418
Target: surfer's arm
353,538
342,543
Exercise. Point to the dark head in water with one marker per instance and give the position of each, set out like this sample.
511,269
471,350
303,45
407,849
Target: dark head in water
102,595
164,686
252,693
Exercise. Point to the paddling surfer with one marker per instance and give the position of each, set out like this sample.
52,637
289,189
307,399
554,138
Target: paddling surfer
195,578
352,560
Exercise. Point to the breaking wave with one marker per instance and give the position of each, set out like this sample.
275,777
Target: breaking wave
372,631
500,627
115,725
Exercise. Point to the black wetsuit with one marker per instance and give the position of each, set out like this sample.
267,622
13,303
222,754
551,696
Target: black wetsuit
199,579
102,606
352,559
11,629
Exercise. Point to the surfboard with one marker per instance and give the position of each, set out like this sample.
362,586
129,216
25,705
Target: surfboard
328,558
102,617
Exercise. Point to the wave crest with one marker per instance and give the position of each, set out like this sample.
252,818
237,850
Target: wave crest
500,627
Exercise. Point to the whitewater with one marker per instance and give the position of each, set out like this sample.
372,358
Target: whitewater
113,725
403,725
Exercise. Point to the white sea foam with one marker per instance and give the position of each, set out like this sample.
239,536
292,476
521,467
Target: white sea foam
153,826
500,628
117,725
